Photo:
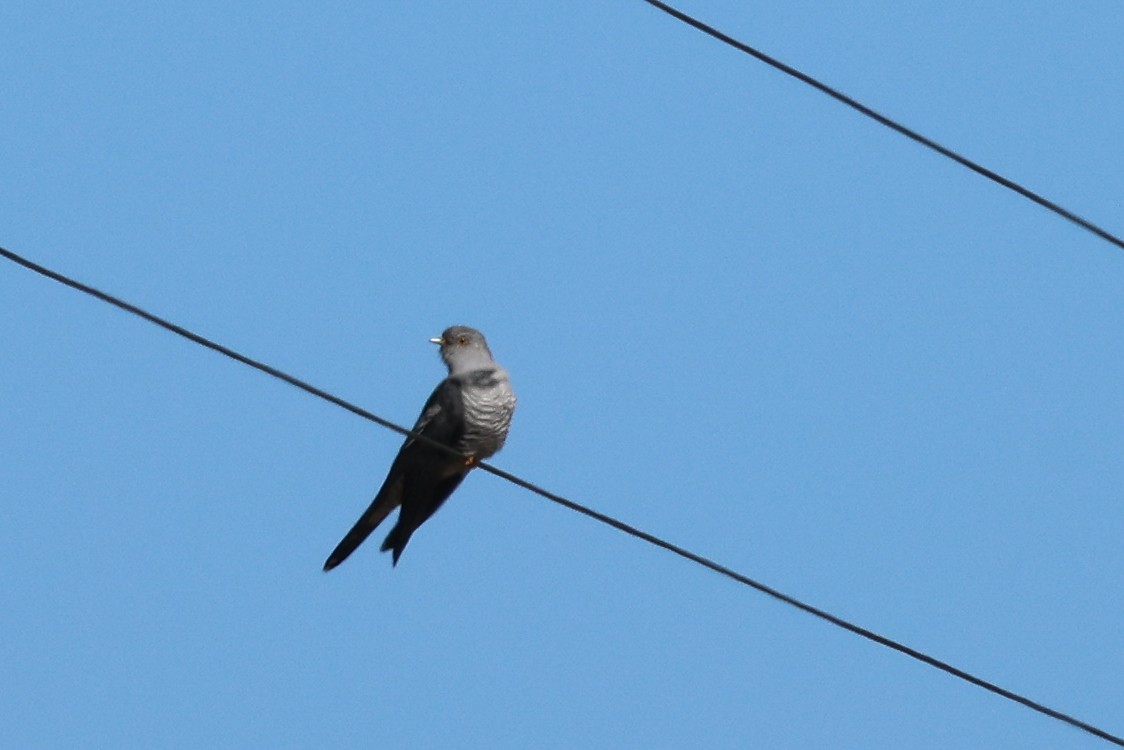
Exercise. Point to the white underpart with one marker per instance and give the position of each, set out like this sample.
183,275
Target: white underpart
487,412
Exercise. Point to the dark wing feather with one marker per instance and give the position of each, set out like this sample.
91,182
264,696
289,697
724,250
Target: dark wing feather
441,419
422,503
414,470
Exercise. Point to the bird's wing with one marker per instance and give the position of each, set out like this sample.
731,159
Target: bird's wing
442,420
417,509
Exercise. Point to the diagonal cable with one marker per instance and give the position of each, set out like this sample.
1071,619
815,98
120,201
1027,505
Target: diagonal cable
894,125
566,503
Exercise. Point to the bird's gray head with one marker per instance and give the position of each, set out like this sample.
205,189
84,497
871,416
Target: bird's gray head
464,349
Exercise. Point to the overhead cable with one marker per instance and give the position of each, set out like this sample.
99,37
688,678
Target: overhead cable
560,500
894,125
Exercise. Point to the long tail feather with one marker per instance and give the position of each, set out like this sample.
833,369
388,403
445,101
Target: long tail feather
371,518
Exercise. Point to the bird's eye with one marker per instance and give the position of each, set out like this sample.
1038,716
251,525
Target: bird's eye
462,340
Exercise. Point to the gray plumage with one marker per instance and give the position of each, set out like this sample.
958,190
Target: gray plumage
470,411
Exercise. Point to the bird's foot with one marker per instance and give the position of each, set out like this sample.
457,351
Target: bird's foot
470,461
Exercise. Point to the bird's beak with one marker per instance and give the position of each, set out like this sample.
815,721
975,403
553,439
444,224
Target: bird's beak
438,341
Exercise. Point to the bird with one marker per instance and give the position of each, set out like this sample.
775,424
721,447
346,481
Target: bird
469,411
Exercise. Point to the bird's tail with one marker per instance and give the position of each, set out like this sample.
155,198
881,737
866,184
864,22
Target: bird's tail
396,540
371,518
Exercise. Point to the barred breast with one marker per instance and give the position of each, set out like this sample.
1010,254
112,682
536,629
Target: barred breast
489,402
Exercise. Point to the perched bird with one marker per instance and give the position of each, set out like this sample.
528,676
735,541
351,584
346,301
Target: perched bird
469,411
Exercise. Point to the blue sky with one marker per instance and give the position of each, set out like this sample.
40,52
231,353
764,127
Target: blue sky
737,315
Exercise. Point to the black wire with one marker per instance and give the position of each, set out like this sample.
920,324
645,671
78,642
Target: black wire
608,520
892,124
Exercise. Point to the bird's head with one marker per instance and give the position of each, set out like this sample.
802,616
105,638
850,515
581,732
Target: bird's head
464,349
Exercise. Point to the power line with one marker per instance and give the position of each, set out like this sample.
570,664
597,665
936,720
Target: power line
913,135
608,520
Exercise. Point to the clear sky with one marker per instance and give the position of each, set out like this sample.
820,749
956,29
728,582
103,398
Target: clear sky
737,315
